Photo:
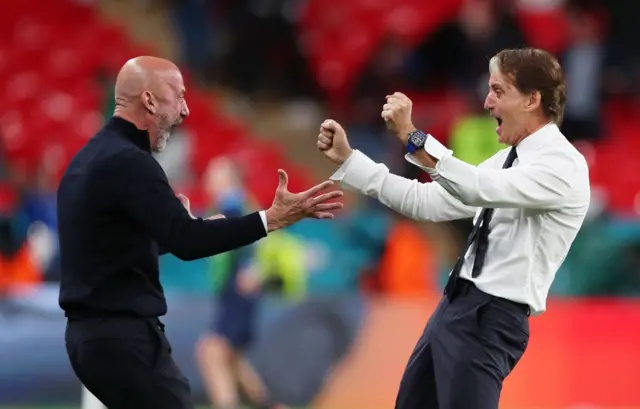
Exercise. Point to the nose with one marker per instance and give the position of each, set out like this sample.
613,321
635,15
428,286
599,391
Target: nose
489,103
185,110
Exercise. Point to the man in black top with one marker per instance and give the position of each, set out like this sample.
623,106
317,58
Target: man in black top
116,214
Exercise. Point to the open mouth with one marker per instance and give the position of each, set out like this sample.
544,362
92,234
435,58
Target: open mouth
499,121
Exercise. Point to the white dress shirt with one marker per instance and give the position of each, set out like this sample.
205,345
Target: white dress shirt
263,217
540,202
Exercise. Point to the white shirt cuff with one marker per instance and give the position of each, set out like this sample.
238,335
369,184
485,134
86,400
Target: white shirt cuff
263,216
434,148
339,174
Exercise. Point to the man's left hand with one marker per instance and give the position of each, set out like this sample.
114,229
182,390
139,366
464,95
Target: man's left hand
397,115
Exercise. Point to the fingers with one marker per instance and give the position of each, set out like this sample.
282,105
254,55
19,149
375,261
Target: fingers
396,101
317,188
328,206
323,146
322,215
329,126
325,137
283,179
325,197
397,106
398,97
387,113
217,216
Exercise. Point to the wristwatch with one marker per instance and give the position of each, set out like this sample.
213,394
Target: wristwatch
416,141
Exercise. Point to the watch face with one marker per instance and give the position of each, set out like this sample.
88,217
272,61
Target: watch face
418,138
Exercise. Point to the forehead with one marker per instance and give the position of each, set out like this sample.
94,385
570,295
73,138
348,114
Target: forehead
497,79
173,78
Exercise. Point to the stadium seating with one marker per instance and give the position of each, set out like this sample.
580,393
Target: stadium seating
52,57
46,115
350,35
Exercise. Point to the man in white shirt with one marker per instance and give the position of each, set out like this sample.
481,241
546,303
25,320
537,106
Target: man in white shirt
529,201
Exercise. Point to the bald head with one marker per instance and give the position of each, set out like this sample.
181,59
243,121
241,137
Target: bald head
150,93
142,74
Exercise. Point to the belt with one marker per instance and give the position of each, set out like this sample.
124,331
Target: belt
89,314
464,286
96,314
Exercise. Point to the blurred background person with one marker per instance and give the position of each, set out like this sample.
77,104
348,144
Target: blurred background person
19,269
316,328
220,351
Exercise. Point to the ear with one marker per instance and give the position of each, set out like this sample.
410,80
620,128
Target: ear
534,100
149,102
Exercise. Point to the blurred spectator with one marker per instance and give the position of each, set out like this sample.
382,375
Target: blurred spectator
263,57
582,62
195,23
623,47
473,137
19,270
220,351
487,26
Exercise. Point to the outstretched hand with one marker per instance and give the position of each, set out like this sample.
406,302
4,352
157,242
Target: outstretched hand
289,208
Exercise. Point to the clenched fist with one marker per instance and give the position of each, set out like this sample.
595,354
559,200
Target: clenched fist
333,142
397,115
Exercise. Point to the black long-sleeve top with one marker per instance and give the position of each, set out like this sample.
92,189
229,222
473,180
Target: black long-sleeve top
116,211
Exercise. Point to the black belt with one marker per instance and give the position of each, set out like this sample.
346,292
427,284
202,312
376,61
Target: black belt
97,314
89,314
464,286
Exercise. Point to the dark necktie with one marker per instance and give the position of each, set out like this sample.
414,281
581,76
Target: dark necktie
480,231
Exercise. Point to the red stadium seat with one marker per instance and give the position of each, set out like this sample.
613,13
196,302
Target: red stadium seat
546,29
46,115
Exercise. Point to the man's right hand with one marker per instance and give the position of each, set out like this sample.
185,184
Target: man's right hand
333,142
289,208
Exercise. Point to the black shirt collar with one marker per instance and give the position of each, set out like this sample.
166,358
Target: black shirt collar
125,128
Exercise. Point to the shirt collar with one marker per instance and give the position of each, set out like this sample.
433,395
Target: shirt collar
127,129
537,139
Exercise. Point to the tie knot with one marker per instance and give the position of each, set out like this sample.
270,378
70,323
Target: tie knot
511,157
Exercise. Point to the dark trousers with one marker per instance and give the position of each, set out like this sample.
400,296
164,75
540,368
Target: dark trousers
126,363
469,346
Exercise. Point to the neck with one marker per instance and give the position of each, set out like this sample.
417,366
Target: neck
530,129
127,115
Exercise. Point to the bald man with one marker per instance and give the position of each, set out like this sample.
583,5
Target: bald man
116,214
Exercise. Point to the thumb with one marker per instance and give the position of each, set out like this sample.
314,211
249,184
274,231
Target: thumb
283,179
186,203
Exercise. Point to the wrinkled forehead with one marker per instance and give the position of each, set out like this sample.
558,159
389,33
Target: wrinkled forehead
171,80
499,80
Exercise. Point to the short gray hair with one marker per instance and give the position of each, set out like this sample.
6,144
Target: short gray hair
530,70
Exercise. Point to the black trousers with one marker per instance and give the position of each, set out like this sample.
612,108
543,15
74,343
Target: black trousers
469,346
126,362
